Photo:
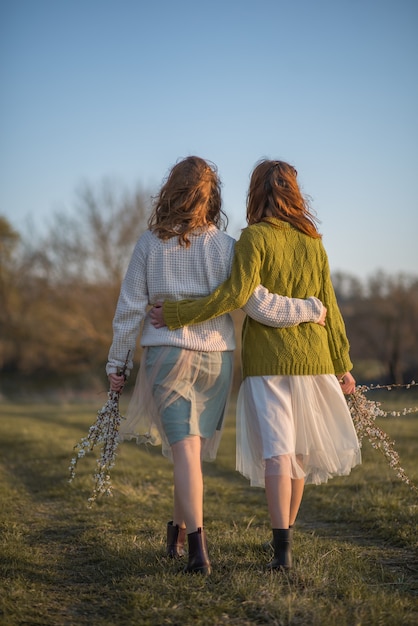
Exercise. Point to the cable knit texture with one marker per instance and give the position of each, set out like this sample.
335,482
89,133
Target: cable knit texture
288,262
165,270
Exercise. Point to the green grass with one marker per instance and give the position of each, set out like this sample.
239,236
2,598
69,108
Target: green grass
355,546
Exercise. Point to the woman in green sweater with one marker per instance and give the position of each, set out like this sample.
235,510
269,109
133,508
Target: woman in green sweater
293,424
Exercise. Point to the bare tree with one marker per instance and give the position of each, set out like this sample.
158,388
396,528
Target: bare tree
58,294
9,273
382,324
95,241
62,289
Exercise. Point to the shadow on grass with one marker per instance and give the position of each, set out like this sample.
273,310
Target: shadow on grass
75,417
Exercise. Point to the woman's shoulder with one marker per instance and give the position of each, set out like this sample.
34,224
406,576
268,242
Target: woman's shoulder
207,238
146,236
145,239
274,227
147,243
213,231
254,232
219,237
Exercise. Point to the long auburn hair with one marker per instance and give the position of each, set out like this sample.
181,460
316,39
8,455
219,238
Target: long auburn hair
274,192
189,199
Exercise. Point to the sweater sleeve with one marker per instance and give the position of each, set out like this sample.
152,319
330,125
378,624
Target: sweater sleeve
337,339
232,294
277,311
130,312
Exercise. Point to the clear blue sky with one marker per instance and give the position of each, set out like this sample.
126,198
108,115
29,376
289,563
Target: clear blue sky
123,88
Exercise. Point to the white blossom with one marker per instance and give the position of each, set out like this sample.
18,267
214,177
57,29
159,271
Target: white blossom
103,433
364,413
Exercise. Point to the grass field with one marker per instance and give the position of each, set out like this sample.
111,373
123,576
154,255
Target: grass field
355,546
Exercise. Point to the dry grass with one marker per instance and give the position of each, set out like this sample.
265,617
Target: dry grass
64,564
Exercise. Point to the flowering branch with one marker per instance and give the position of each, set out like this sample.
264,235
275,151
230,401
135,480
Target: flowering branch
104,433
364,413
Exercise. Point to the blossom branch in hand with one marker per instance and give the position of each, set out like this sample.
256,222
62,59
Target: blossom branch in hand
364,413
347,382
105,433
117,382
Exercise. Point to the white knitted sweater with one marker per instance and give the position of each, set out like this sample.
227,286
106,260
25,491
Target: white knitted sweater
165,270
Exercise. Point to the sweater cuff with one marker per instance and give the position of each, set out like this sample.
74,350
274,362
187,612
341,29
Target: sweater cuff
111,368
342,365
317,308
171,315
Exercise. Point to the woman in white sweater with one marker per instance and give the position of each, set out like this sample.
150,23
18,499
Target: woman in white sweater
182,389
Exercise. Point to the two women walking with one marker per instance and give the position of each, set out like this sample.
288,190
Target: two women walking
293,425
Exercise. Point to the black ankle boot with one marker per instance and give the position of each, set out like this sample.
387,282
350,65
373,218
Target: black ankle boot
198,554
175,540
267,546
282,546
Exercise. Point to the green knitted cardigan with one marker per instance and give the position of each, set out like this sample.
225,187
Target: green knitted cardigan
290,263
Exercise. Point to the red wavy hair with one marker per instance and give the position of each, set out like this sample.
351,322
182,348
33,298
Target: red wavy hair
189,199
274,192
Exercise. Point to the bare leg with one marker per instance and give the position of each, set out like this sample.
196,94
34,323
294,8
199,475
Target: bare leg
279,491
279,495
284,494
282,502
298,485
178,515
188,482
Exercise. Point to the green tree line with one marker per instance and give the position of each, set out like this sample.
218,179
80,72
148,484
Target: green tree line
58,293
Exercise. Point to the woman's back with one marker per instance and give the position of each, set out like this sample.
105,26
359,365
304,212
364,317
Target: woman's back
291,263
175,272
161,270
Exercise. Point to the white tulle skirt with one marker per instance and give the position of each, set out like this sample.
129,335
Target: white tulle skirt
296,425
